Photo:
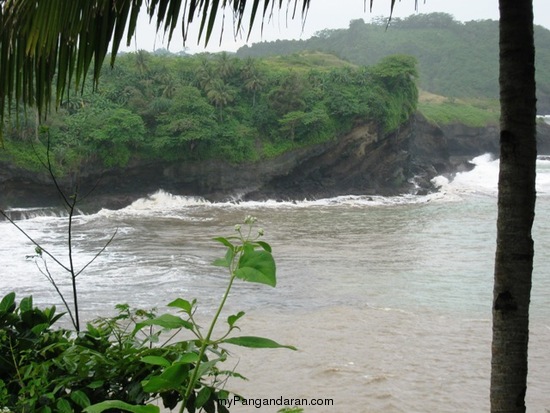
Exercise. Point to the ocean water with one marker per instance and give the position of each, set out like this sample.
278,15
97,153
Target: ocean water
387,299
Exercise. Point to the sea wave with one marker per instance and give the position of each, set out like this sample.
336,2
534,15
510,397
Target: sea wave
168,205
18,214
481,180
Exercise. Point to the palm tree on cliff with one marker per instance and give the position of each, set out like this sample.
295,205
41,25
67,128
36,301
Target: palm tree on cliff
220,94
225,65
40,40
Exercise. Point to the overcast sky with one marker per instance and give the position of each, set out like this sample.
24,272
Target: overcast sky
325,14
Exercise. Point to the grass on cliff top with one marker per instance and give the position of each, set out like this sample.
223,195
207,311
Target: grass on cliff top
306,61
441,110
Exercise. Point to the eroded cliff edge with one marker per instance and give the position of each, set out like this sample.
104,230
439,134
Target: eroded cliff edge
364,161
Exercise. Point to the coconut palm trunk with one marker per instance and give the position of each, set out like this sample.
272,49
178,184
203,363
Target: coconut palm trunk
516,205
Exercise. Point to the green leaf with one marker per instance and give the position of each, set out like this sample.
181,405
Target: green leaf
39,328
33,317
255,342
183,304
223,395
264,245
92,331
156,360
171,377
207,366
188,358
63,406
7,303
225,242
168,321
258,267
158,384
117,404
26,304
80,398
50,314
203,396
233,318
225,261
95,384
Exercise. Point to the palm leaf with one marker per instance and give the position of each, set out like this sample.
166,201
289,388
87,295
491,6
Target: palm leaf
48,46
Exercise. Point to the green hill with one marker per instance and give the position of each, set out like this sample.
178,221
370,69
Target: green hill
454,59
169,108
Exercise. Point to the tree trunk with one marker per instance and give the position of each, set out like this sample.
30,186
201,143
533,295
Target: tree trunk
516,205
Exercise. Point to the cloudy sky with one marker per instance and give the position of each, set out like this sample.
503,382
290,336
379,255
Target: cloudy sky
324,14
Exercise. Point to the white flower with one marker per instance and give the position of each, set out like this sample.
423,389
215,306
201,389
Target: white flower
249,219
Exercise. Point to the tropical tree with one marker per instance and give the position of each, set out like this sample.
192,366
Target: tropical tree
288,96
290,121
516,207
165,82
253,84
105,130
225,65
252,79
206,73
220,94
56,39
195,125
142,62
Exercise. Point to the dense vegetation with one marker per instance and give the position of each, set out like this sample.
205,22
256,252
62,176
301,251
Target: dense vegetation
173,108
454,59
273,97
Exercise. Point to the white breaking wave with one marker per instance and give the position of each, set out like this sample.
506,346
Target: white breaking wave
167,205
18,214
165,200
161,203
543,176
483,178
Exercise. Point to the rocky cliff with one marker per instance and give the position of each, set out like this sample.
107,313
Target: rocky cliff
364,161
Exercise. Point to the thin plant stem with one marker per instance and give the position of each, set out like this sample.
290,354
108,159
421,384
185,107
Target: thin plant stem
205,343
71,262
49,277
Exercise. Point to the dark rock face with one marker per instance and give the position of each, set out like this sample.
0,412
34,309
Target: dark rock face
362,162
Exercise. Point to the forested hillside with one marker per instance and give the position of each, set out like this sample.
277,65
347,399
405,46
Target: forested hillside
171,108
454,59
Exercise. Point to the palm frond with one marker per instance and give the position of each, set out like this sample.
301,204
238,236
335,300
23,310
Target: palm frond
48,45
